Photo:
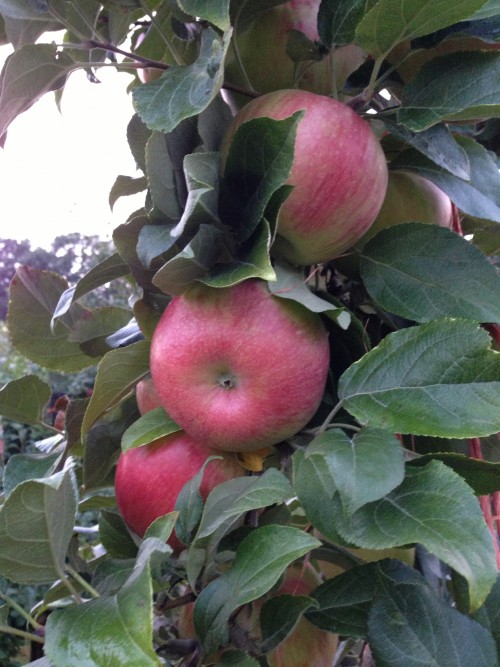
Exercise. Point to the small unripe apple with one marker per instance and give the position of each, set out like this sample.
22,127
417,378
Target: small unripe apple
146,396
263,51
149,478
237,367
339,174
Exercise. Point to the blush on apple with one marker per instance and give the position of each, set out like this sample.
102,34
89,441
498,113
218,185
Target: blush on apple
149,478
339,174
237,367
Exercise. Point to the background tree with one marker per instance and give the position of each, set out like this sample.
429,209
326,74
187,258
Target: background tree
382,508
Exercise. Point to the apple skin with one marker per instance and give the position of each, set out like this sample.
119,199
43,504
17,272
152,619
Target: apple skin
149,478
239,368
146,396
339,174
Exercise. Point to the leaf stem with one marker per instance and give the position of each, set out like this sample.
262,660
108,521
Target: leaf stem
21,633
327,421
80,580
349,427
22,612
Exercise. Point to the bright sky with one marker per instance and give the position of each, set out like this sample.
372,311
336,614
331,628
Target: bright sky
56,169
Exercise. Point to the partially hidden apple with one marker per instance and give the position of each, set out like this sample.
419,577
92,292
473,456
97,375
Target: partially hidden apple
339,174
146,396
237,367
149,478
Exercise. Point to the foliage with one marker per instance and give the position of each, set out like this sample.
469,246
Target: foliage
391,460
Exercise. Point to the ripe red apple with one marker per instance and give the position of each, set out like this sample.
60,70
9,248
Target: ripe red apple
149,478
239,368
411,198
146,396
262,49
339,174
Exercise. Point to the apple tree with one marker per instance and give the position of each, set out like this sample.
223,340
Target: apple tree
312,475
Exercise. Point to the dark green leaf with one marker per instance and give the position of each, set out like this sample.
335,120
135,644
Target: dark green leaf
151,426
423,272
337,20
439,379
137,136
115,537
23,467
437,91
489,614
36,525
125,186
24,400
183,91
260,560
214,11
482,476
161,177
279,616
154,240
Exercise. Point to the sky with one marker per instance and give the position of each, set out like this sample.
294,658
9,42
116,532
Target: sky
57,168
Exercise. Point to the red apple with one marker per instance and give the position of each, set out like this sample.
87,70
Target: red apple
146,396
339,174
239,368
149,478
263,51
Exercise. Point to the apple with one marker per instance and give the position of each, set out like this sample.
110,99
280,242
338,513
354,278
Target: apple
149,478
146,396
339,174
262,47
239,368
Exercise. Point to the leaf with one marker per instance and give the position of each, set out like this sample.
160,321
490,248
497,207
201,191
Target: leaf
251,262
437,91
154,240
438,144
150,426
423,272
392,21
337,21
161,177
279,616
258,163
363,469
214,11
242,494
24,467
202,178
290,284
234,658
260,560
114,535
436,508
482,476
123,623
183,91
29,73
489,614
437,379
36,525
125,186
24,399
408,623
34,295
489,9
480,197
117,374
25,9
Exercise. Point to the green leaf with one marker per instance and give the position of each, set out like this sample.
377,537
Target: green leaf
183,91
25,9
279,616
363,469
437,91
151,426
489,614
489,9
482,476
392,21
436,508
439,379
24,399
409,624
253,262
34,295
258,163
161,176
24,467
480,197
123,623
290,284
154,240
234,658
242,494
115,536
260,560
125,186
214,11
337,21
423,272
438,144
36,525
118,373
29,73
